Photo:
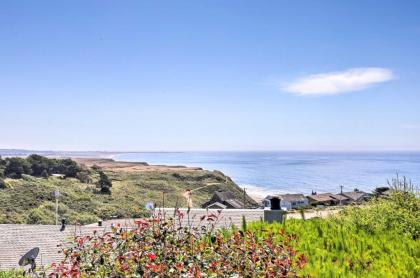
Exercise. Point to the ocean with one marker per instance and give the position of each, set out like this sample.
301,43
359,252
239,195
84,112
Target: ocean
263,173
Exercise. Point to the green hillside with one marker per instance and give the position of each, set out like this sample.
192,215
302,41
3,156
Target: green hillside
31,199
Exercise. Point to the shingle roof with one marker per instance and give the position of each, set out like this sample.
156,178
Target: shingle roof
234,203
219,205
292,197
323,197
355,195
223,196
226,219
339,197
17,239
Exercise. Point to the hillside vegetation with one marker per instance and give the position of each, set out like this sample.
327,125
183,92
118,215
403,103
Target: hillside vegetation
380,239
30,199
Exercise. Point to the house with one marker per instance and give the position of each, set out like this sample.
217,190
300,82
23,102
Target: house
287,201
266,202
325,199
226,199
341,199
382,191
356,196
293,201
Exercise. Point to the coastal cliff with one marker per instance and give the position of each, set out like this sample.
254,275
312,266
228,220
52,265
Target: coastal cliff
31,200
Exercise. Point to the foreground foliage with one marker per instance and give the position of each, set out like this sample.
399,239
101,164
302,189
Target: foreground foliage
159,248
398,212
380,239
334,249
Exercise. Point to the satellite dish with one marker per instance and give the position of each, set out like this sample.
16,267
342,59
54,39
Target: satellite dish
29,258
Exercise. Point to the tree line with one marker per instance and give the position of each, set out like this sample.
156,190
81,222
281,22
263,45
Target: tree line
40,166
37,166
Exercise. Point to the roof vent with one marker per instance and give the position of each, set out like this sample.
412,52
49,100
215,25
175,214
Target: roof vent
63,224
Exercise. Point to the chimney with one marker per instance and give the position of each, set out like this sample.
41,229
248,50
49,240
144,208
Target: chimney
275,203
274,214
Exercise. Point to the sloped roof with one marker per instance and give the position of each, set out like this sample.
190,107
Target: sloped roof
17,239
292,197
217,204
355,195
340,197
234,203
223,196
323,197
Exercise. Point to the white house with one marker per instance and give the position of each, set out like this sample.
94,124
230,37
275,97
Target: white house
288,201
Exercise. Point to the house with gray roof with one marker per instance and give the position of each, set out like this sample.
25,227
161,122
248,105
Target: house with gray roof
226,199
287,201
357,196
324,199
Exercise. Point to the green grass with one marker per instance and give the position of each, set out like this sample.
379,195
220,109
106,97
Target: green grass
336,247
11,274
30,199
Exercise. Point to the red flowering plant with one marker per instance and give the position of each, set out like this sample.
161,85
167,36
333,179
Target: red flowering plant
162,246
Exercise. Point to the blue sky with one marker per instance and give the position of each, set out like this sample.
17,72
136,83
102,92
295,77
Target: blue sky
210,75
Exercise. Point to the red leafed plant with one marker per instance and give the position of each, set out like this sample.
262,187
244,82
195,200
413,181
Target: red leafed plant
161,247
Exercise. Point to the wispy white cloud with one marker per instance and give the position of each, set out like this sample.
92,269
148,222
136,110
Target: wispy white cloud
411,126
333,83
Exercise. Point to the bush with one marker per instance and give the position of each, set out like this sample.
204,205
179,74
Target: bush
84,176
40,215
400,212
162,248
16,167
104,183
2,183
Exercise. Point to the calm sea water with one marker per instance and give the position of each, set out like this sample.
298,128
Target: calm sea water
263,173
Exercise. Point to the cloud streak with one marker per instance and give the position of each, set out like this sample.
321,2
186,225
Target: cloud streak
333,83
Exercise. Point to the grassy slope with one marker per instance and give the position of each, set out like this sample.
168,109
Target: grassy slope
30,200
337,250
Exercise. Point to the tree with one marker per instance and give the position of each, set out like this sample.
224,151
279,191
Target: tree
67,167
104,183
45,174
16,167
39,165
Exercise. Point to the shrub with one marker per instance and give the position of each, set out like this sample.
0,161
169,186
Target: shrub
16,167
156,247
40,215
104,183
400,212
2,183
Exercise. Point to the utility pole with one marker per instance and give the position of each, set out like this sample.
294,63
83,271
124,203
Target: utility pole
341,192
244,197
56,195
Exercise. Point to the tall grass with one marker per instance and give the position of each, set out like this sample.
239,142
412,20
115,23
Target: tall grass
380,239
335,250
